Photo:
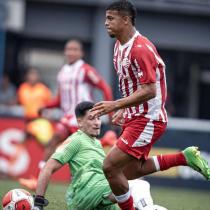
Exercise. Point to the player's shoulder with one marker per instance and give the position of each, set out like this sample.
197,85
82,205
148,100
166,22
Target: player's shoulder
142,45
87,67
73,139
63,67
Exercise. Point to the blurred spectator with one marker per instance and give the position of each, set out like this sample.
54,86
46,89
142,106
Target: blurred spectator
33,94
7,92
8,98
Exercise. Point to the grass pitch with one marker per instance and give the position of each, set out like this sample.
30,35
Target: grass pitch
171,198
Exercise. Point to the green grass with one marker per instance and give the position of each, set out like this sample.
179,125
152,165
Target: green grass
172,198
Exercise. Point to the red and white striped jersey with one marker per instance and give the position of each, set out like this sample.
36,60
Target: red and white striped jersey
76,83
137,62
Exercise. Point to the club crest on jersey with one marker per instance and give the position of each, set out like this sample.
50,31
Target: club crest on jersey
126,62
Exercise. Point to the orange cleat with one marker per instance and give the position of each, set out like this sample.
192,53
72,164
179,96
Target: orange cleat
30,183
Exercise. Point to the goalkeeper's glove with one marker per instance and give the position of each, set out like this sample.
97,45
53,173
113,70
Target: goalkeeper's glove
40,202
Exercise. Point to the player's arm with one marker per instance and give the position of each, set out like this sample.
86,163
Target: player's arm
146,64
54,102
97,81
44,177
63,154
147,92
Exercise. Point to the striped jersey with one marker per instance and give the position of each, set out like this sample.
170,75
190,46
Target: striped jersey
76,83
80,150
137,62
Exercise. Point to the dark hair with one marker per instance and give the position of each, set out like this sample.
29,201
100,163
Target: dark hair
125,8
82,108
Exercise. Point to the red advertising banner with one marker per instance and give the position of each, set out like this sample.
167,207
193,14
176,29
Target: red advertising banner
20,155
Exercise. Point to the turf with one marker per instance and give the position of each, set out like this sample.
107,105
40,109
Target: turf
172,198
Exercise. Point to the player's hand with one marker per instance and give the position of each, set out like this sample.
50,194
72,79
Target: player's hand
40,202
103,107
117,118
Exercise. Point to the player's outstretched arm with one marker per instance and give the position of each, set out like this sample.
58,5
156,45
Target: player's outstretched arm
147,92
43,180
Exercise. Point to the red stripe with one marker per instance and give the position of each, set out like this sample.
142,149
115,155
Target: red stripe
145,105
134,85
7,198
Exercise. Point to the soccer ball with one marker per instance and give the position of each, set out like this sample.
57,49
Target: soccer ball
18,199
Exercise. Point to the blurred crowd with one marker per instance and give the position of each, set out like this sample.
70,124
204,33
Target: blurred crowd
26,99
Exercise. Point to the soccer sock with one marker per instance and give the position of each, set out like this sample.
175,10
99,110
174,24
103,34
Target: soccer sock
164,162
125,201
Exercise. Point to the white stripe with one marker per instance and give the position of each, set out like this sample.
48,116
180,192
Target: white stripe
160,61
146,135
156,162
156,56
123,198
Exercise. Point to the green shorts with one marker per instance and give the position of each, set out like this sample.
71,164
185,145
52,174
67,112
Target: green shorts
89,192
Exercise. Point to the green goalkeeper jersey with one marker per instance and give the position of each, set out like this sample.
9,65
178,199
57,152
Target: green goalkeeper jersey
89,188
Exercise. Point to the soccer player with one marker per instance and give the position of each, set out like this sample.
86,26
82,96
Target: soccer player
140,111
76,82
83,152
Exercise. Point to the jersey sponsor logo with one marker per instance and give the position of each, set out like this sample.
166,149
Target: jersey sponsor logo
124,140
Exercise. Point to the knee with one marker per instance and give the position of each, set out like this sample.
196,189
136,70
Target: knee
108,168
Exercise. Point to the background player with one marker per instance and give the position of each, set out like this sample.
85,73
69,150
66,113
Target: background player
76,82
83,152
142,82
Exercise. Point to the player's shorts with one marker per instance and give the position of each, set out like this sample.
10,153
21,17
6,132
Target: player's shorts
66,126
89,191
138,135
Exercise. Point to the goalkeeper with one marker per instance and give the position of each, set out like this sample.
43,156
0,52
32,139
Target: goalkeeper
89,189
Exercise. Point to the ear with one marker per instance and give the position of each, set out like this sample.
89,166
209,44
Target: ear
126,20
79,122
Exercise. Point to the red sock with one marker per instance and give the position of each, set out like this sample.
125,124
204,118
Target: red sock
127,205
168,161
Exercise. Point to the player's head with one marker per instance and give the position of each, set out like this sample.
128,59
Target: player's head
91,126
119,14
73,50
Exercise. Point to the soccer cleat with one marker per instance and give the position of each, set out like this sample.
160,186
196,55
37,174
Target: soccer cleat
196,162
29,183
